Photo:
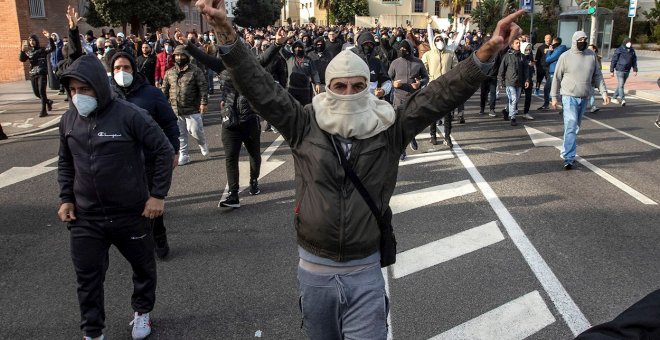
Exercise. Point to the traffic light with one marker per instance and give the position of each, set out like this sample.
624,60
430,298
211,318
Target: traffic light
450,17
593,4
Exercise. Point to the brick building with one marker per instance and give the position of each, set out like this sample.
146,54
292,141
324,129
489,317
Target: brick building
25,17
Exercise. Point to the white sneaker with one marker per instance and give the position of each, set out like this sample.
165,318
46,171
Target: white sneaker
594,109
204,149
528,116
184,159
102,337
623,103
615,101
141,326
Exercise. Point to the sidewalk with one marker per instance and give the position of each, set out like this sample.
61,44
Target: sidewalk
645,85
19,109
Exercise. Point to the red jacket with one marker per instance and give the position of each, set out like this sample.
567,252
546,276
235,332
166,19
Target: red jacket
164,62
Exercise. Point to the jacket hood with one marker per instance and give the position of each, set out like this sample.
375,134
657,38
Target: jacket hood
405,43
36,38
437,37
297,43
90,70
625,41
576,36
365,37
319,39
57,36
523,47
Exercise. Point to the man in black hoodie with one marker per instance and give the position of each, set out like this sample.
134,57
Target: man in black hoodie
104,192
320,57
134,87
380,84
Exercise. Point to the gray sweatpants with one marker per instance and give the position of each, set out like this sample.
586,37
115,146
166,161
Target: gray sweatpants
344,306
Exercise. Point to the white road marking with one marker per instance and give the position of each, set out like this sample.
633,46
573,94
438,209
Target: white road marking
266,168
446,249
390,334
517,319
540,138
19,174
563,302
625,133
427,157
53,121
419,198
48,162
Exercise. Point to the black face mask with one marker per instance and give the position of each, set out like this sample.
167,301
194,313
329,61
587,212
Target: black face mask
367,49
181,62
319,48
300,53
404,53
555,45
581,45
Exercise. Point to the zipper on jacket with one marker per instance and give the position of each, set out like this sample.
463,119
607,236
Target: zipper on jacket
90,128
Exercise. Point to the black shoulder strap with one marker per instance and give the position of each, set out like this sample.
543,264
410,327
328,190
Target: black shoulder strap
357,183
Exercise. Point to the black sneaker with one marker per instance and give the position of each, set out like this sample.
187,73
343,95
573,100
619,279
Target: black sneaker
505,114
161,248
542,108
254,187
513,122
448,142
568,166
461,121
434,139
657,124
3,136
50,105
43,114
231,201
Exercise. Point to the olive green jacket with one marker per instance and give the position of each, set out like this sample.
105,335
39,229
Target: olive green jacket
332,219
186,90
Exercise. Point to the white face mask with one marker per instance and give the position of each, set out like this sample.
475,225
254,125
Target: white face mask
85,104
628,45
123,79
440,45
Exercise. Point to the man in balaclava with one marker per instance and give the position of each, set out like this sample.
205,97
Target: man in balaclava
186,89
623,60
320,57
438,61
574,75
408,75
380,84
301,73
133,86
342,290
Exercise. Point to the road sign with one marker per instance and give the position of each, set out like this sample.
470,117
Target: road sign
527,5
391,2
632,9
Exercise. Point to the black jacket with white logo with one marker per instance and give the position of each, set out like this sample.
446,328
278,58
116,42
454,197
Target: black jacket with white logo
101,163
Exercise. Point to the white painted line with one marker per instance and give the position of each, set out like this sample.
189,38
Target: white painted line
617,183
514,320
540,138
390,334
19,174
419,198
446,249
48,162
54,120
563,302
271,149
427,157
624,133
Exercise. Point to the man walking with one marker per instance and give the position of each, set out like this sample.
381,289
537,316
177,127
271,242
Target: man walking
341,286
541,64
513,75
186,88
623,60
104,193
576,70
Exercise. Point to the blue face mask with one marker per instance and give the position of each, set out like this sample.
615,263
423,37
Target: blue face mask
107,49
168,49
84,104
398,39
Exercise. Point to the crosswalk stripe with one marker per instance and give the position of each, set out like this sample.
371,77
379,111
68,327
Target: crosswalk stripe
427,157
446,249
517,319
419,198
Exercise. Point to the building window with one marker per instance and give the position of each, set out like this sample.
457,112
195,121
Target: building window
467,8
37,9
82,8
195,16
419,6
437,8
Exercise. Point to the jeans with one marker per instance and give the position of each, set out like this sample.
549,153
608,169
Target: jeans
344,306
621,78
513,93
574,108
248,133
90,242
194,125
546,89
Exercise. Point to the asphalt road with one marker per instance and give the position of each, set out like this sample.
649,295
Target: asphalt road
496,240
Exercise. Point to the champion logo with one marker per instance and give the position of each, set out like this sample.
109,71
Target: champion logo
373,72
138,237
111,135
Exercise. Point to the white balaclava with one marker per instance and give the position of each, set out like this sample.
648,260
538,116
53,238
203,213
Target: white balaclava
361,115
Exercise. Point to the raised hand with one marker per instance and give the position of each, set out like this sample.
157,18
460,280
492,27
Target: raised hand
280,37
46,34
216,14
73,17
505,32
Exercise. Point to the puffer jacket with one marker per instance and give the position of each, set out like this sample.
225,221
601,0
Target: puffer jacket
186,89
332,219
234,101
101,164
38,57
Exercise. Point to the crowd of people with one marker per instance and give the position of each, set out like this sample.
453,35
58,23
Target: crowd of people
332,92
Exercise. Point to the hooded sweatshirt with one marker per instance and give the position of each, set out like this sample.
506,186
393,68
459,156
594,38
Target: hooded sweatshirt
439,62
407,69
577,72
101,163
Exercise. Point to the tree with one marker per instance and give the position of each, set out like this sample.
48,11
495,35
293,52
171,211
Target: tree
454,6
490,11
653,14
345,10
257,13
327,6
154,13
